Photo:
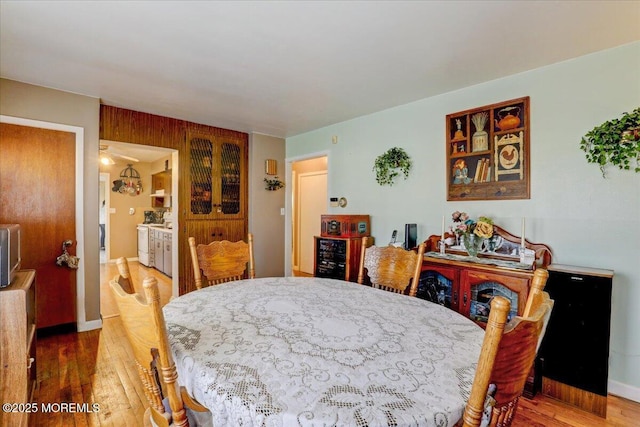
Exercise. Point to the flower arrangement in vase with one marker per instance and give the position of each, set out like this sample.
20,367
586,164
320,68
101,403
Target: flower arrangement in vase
471,232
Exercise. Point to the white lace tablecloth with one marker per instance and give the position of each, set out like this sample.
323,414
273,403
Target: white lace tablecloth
321,352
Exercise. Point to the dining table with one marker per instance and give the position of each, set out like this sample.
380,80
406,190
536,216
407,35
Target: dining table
308,351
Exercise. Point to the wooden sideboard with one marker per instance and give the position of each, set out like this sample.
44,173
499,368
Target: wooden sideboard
467,287
454,281
18,346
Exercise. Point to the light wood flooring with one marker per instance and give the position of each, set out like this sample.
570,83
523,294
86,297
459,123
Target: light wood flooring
139,272
96,367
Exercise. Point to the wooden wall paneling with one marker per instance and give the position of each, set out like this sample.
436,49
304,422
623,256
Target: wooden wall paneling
119,124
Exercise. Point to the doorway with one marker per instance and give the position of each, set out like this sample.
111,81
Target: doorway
309,200
125,209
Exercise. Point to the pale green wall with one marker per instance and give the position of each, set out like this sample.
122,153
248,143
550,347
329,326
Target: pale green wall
587,220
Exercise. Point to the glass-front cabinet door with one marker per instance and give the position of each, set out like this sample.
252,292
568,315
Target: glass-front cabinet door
201,175
439,285
479,288
217,173
230,179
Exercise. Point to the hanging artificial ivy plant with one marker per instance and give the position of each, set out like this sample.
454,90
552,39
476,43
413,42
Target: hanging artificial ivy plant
273,184
615,142
390,164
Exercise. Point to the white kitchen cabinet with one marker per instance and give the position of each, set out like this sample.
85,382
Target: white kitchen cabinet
160,249
167,253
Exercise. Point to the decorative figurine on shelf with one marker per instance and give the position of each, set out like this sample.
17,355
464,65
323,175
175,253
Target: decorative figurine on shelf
459,135
460,172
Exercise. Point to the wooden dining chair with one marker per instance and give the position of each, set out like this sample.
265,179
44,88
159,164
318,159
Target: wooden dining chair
146,331
507,355
390,268
222,261
124,278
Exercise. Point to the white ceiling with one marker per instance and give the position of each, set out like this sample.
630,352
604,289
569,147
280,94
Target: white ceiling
283,68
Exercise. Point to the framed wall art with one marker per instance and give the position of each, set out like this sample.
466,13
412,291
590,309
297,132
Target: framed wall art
488,152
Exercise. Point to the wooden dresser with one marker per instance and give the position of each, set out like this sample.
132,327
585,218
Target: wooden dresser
18,346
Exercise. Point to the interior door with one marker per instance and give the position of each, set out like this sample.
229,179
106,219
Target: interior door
312,194
37,191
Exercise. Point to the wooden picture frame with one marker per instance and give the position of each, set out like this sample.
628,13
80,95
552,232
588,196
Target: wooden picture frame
488,152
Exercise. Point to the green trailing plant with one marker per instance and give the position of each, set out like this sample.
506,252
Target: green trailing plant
273,184
390,164
615,142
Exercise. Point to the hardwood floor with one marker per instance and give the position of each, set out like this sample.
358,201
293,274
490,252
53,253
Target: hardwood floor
96,367
139,272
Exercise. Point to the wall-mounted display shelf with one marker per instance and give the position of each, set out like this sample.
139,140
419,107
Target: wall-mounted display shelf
488,152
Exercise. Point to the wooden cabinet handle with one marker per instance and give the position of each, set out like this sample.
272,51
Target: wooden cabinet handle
464,299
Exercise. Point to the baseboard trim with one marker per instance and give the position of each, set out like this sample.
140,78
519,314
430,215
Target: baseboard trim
624,390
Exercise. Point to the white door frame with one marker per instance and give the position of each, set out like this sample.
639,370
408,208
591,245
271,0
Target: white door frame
106,178
288,203
82,323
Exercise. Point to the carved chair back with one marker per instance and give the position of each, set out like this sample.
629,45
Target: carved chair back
390,268
222,261
124,279
146,331
507,355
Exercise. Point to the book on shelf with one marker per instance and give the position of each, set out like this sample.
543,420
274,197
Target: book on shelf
478,171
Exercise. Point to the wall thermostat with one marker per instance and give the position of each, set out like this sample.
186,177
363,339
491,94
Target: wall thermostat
333,202
342,202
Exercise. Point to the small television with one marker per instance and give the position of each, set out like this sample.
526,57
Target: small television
9,253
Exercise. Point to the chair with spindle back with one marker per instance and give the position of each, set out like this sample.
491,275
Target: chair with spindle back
124,279
507,355
222,261
146,331
390,268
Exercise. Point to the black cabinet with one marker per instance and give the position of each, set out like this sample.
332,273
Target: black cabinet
573,359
